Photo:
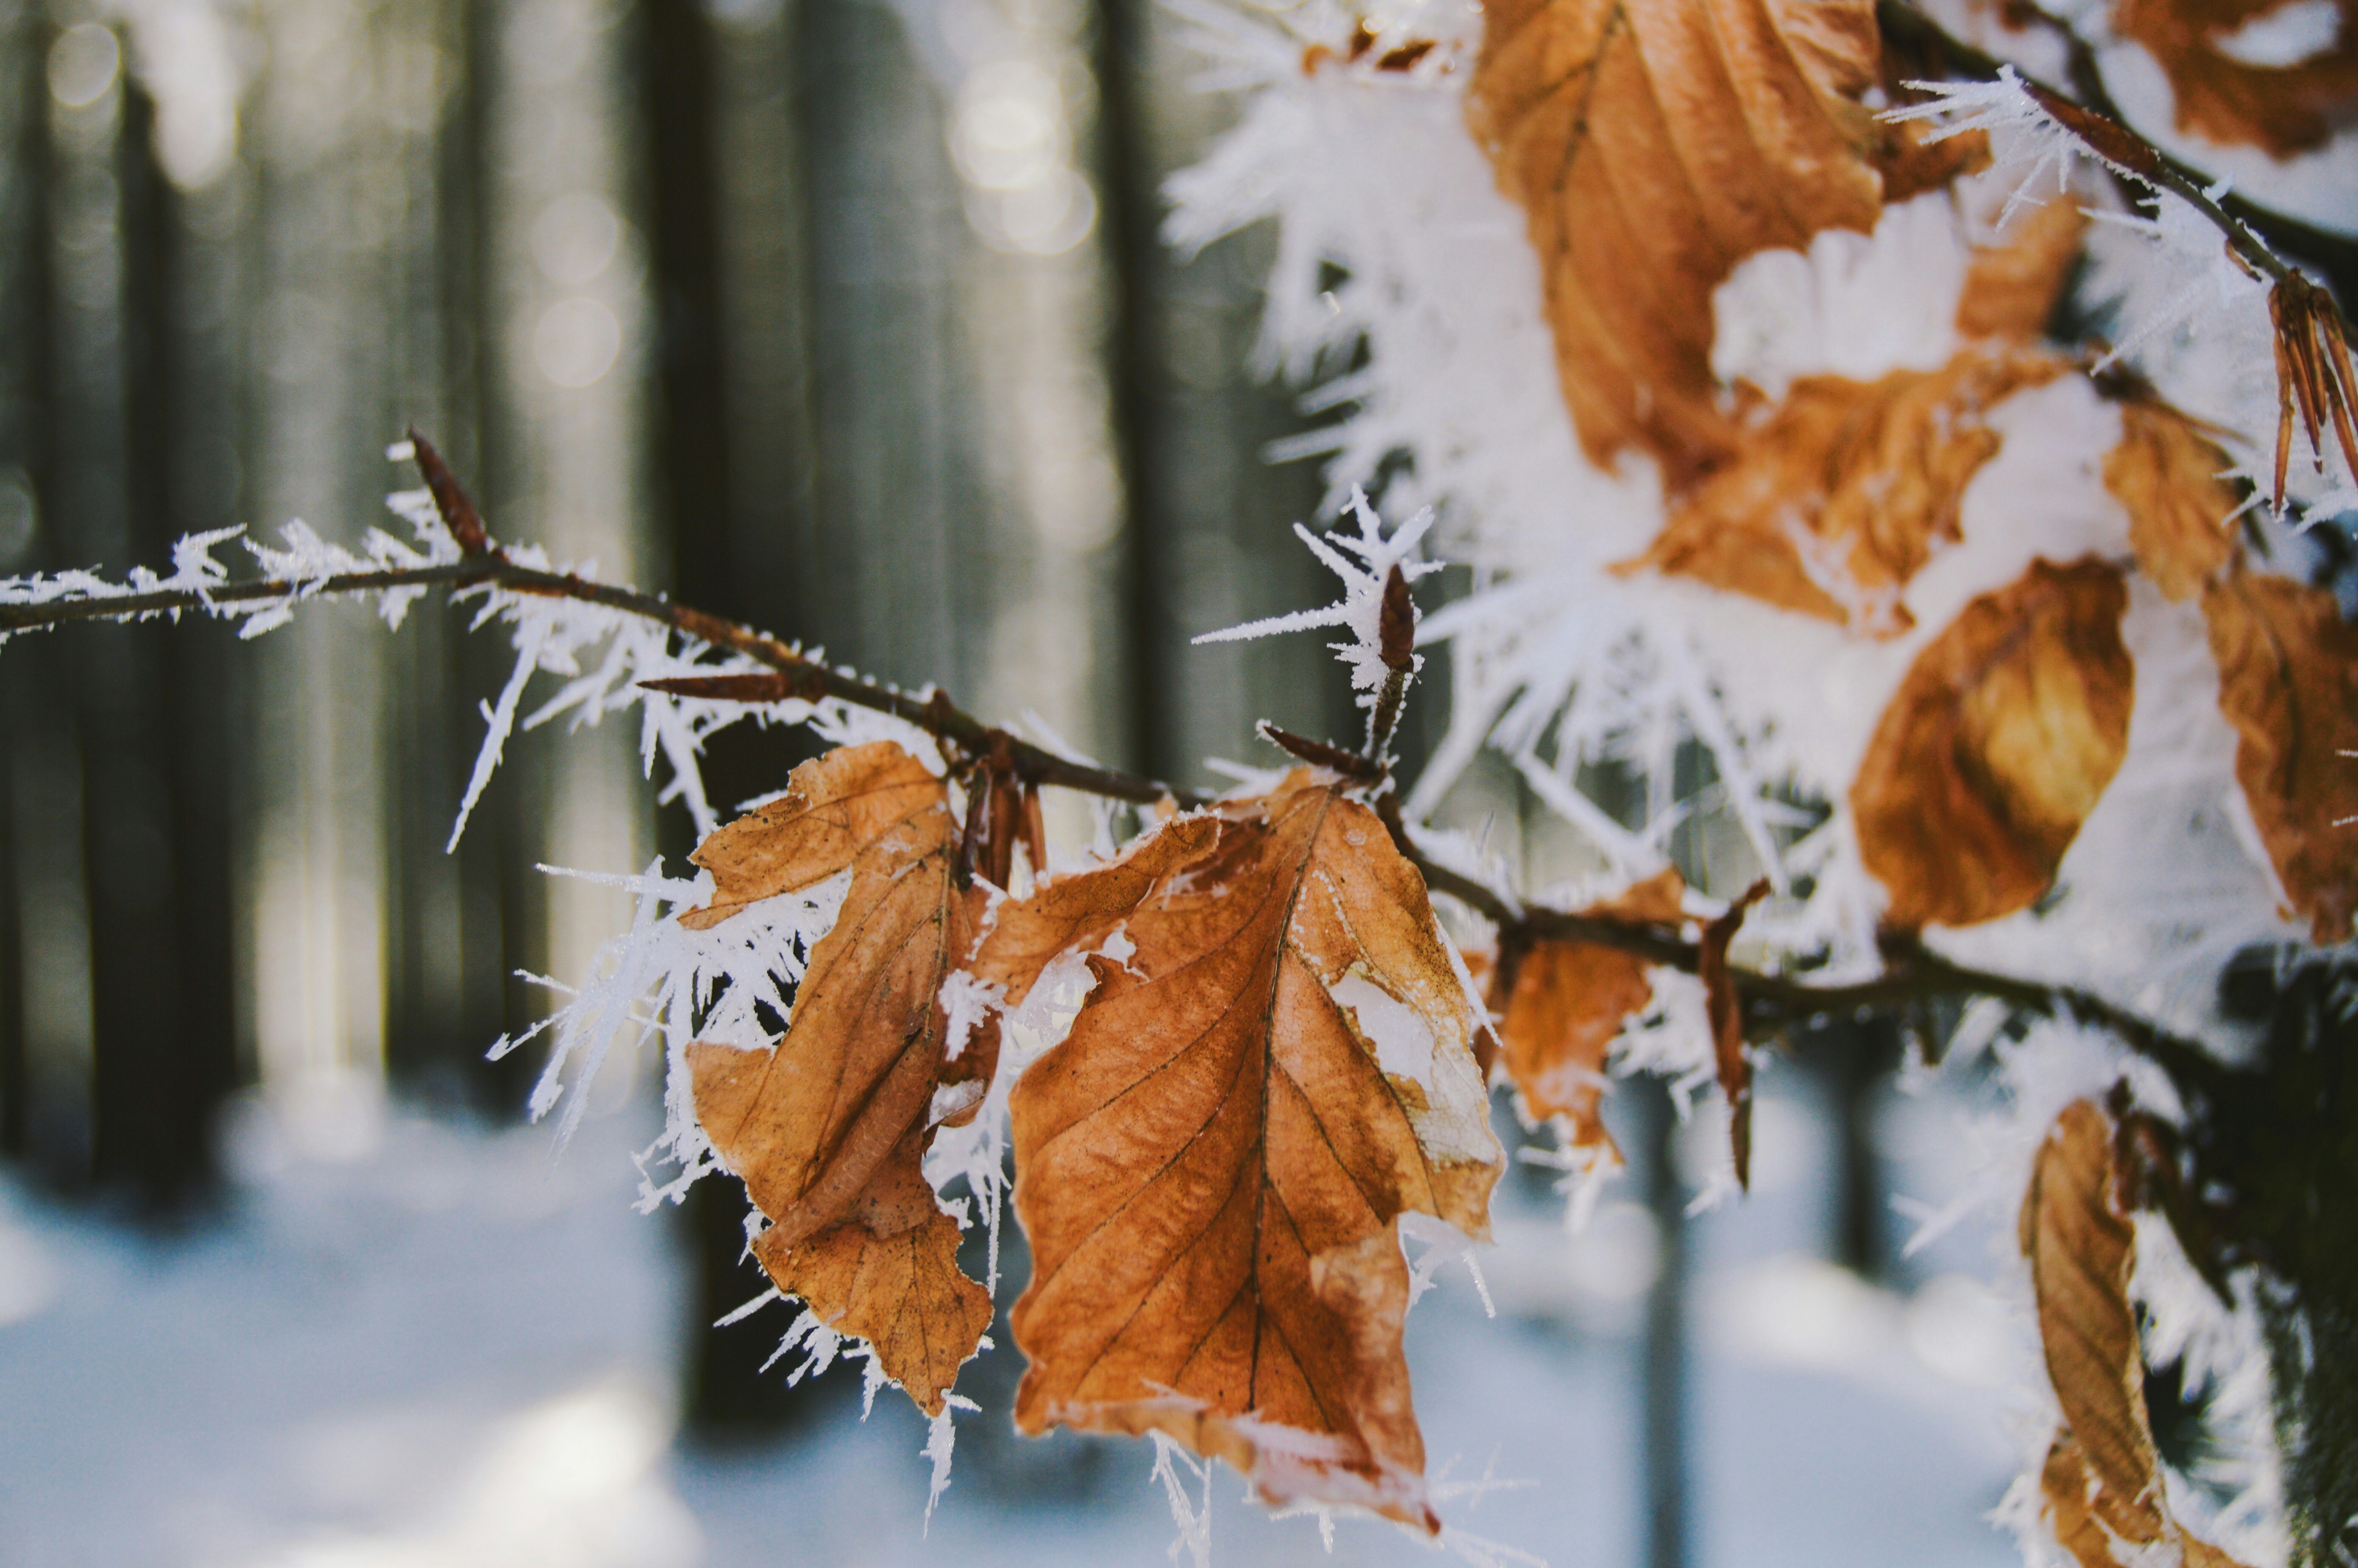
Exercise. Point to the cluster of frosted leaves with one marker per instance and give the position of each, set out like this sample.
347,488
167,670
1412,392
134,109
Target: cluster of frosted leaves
1741,398
1663,143
1270,1061
1736,395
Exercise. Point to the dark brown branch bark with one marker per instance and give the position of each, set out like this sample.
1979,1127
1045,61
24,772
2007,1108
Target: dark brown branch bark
800,677
1912,973
2094,118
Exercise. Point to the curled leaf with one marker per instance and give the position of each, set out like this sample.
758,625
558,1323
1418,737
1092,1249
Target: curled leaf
2000,738
833,808
1651,148
2166,472
1273,1065
2289,683
829,1128
2284,109
1840,495
2103,1477
1566,1006
1725,1010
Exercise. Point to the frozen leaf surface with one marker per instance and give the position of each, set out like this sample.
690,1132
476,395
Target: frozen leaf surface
2012,287
1653,146
1273,1065
1566,1008
829,1127
2282,108
2166,473
2289,683
1842,493
1995,749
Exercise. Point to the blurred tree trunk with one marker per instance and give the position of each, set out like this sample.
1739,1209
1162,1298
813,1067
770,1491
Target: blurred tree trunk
721,176
24,320
885,431
123,1042
1210,544
159,707
464,919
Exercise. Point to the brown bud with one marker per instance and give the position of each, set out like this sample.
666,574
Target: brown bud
1396,627
451,498
762,688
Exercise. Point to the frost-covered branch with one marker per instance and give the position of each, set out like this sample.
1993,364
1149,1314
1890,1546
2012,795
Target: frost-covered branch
455,552
2092,116
2316,382
395,573
1912,974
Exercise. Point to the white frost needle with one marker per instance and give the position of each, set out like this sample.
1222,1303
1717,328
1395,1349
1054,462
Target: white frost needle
1364,560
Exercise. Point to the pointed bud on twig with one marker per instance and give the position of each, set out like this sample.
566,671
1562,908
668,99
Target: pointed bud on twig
1350,764
451,498
1395,624
1724,1008
1003,822
762,688
978,824
1396,642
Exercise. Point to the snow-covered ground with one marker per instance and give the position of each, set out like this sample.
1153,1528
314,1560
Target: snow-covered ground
447,1350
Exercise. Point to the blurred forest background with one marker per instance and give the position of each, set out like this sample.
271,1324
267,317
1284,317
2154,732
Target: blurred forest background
844,317
846,320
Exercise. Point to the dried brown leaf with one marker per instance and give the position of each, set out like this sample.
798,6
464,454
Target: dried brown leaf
1913,159
1839,496
2283,109
1725,1010
2102,1475
2166,472
1277,1065
1652,147
829,1128
1995,749
833,808
2011,286
1566,1007
2289,683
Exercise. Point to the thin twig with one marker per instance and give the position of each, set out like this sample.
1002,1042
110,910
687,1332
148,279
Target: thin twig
1912,973
800,676
1772,1003
2096,121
